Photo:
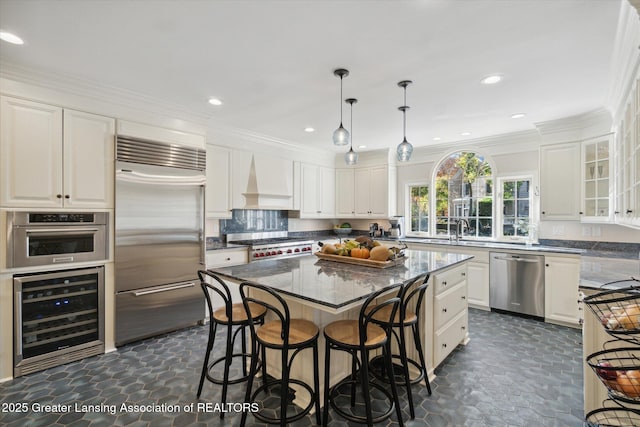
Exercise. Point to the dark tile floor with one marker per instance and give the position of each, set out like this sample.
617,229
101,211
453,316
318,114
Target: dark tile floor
513,372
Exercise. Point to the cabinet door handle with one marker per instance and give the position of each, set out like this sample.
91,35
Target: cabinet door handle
59,196
629,211
444,345
444,283
543,212
66,196
464,274
464,297
444,310
228,259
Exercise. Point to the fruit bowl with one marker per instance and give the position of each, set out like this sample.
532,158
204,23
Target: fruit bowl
619,370
342,231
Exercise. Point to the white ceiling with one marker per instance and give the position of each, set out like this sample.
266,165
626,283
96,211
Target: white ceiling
272,62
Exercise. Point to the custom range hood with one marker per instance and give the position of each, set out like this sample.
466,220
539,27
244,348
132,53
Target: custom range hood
268,183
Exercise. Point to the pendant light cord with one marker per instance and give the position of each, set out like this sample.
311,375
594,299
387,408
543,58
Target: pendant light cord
340,100
404,116
351,128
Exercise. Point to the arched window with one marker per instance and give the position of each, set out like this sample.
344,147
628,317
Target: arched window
464,196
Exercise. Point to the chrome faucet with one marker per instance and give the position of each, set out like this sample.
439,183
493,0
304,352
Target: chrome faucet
458,230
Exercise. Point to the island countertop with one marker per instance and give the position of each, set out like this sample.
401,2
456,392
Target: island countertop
335,286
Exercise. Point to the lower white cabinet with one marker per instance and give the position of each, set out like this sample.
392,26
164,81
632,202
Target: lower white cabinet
450,311
561,279
227,257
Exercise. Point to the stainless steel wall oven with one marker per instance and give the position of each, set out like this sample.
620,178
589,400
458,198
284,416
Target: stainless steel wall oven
59,318
37,238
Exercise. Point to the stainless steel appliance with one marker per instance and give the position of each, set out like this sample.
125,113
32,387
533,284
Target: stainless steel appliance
271,245
397,227
516,283
159,231
46,238
59,318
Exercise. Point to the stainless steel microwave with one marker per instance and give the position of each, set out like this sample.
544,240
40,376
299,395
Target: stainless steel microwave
49,238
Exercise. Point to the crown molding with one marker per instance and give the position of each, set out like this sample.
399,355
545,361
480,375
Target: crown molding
600,117
97,92
625,58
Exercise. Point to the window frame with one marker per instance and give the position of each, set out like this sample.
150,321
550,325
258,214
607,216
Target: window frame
492,177
407,209
534,216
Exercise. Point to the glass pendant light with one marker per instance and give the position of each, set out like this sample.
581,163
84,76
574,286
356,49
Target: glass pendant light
351,157
404,148
341,135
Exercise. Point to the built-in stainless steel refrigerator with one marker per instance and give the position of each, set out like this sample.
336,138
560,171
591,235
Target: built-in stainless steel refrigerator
159,238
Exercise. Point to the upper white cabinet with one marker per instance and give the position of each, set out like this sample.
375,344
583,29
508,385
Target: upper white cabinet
218,193
363,192
345,191
317,187
54,158
627,160
596,188
560,181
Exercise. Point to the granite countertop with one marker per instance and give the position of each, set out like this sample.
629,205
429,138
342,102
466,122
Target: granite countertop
335,286
597,271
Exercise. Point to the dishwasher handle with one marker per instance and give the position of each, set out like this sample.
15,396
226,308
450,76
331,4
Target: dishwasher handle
514,258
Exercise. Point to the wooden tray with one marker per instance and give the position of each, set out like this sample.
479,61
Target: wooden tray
361,261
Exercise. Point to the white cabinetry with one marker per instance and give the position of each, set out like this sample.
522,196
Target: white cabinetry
54,158
345,200
561,282
218,194
317,189
627,158
596,188
227,257
560,181
450,313
364,192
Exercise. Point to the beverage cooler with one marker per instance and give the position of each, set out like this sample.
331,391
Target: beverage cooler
59,318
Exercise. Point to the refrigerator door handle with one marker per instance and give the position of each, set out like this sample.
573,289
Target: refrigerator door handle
164,289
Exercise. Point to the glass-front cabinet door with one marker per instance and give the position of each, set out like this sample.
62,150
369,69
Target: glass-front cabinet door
596,178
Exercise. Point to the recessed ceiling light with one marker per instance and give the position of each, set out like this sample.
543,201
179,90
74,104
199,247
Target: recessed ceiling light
491,80
10,38
437,138
309,129
362,146
215,101
518,115
465,133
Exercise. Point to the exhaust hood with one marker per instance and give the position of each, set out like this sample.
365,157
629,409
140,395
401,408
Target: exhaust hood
267,183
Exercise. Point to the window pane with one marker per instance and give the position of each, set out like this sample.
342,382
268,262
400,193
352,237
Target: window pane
523,189
419,208
508,208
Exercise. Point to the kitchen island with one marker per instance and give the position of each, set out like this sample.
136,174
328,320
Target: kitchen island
324,291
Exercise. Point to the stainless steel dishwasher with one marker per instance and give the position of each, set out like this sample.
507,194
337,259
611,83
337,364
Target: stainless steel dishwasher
516,283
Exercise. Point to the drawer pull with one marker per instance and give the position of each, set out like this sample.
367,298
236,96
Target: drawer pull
444,283
228,259
463,327
444,345
444,310
463,297
464,274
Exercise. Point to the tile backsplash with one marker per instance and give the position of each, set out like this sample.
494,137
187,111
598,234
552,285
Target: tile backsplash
254,220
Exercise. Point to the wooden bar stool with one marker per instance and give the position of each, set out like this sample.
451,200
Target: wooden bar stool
231,316
288,336
411,292
358,338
